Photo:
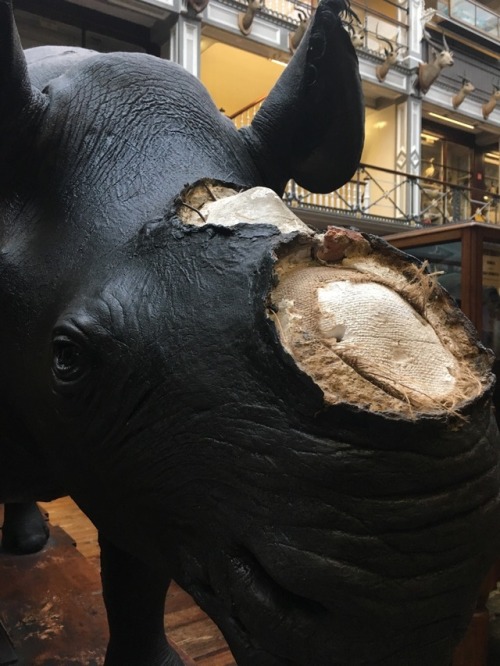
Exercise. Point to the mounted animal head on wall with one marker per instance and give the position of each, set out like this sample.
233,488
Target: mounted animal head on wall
196,6
466,88
488,106
391,54
296,36
245,19
356,29
440,57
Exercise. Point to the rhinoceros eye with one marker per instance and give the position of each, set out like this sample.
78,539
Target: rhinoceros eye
68,359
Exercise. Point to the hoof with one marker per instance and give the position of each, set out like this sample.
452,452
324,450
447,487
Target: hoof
25,529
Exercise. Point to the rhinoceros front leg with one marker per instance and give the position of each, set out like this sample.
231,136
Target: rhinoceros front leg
134,595
24,528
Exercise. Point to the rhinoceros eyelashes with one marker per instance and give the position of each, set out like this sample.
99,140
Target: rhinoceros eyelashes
68,359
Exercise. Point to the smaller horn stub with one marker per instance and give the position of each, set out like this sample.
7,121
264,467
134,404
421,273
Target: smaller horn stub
375,330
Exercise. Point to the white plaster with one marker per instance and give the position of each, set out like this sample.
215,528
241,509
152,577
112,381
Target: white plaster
259,205
388,338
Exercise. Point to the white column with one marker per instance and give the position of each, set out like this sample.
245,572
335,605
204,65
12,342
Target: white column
408,129
185,44
416,20
409,117
498,170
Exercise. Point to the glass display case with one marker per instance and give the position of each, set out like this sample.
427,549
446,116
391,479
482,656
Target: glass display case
467,256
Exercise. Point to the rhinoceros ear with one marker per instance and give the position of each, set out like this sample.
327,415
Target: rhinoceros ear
17,96
311,126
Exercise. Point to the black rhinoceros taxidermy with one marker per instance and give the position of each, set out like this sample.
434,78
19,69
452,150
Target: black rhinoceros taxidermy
294,426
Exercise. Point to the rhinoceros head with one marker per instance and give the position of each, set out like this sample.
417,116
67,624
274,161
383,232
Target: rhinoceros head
296,426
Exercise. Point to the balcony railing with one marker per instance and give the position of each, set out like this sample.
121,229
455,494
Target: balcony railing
380,194
288,8
391,24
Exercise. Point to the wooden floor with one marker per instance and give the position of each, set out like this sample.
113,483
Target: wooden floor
186,624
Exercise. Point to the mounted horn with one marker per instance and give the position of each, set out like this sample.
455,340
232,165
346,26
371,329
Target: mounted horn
245,20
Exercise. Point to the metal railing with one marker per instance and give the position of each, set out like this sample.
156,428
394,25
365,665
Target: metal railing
406,199
379,193
376,23
393,196
244,116
288,8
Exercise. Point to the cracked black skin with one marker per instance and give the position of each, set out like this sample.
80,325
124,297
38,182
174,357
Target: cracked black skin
141,375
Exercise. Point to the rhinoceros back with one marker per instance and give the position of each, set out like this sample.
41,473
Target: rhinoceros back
124,127
48,62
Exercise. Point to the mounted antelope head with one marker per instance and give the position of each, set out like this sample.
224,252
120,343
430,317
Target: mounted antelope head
245,20
357,32
488,106
466,89
296,37
391,55
428,72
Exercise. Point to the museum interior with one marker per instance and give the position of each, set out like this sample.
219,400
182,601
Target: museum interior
428,181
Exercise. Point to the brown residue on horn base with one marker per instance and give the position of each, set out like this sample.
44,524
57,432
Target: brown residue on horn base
337,243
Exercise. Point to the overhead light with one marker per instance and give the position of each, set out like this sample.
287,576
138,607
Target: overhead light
380,124
492,157
431,138
451,120
279,62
